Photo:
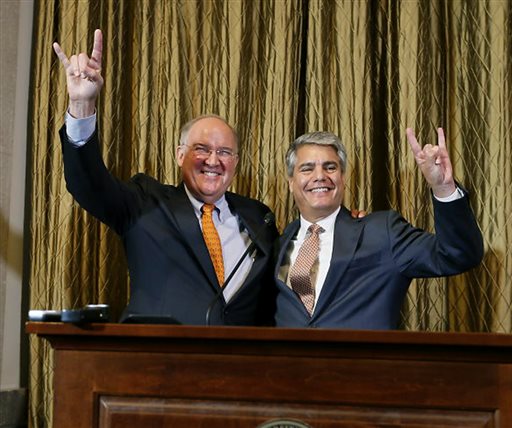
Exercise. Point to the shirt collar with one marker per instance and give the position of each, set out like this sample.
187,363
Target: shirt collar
327,223
221,205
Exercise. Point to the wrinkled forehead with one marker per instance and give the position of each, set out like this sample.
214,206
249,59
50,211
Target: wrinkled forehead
316,154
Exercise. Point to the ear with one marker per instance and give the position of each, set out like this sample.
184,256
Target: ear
180,155
290,184
343,180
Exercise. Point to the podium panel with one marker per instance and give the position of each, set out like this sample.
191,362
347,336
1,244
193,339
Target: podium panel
121,412
112,375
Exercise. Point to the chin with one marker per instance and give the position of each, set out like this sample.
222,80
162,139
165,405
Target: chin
323,210
321,205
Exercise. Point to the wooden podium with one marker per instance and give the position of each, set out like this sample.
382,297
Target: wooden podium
114,375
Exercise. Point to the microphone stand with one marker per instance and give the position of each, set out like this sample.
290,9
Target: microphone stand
269,220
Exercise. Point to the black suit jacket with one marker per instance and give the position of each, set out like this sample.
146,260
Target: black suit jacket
171,272
373,262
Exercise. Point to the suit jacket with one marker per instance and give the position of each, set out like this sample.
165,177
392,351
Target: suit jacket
171,272
373,262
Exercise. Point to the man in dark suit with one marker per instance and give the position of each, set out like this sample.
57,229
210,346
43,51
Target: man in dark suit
335,271
175,270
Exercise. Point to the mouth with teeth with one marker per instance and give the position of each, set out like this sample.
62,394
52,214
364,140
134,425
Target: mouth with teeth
211,173
320,190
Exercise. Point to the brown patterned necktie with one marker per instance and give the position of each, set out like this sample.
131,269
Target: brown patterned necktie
300,272
212,240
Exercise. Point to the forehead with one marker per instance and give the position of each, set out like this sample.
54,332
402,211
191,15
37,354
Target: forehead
317,154
211,131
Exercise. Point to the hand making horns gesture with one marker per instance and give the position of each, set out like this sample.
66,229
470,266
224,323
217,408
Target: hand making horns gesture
434,163
83,77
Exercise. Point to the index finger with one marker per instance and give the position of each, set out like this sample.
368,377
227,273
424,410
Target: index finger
413,142
97,48
441,141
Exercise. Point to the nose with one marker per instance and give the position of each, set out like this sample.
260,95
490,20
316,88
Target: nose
212,159
319,173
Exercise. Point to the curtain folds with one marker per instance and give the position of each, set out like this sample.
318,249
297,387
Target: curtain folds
365,70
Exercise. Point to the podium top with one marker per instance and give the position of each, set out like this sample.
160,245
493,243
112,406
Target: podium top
271,334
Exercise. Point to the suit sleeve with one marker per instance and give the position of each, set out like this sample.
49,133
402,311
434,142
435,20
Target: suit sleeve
110,200
456,246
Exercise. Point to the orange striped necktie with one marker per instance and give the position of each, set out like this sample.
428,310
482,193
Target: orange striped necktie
212,240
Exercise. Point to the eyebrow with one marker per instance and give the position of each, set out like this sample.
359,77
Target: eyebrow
324,164
200,143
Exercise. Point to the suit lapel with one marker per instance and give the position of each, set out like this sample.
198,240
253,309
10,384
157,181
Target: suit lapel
283,244
180,212
347,233
248,221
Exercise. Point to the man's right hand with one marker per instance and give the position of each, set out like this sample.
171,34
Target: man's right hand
358,213
83,77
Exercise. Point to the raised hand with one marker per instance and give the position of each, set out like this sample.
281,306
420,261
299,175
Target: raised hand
434,163
83,77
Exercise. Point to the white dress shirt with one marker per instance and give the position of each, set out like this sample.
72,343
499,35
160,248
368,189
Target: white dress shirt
321,267
232,236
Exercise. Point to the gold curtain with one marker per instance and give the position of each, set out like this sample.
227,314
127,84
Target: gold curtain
276,68
383,66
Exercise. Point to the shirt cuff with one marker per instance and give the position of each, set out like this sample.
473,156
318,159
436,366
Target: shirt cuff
457,194
79,130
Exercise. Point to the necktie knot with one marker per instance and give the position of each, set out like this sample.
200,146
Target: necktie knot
315,229
208,209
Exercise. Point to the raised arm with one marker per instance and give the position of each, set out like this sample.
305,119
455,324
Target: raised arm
83,77
434,163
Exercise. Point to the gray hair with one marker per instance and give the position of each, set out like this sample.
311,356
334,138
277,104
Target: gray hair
186,128
320,138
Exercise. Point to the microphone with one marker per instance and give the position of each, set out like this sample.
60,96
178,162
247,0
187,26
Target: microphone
269,220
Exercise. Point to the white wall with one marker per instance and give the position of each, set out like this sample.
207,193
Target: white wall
15,49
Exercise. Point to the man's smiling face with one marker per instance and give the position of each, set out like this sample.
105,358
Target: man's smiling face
208,176
318,181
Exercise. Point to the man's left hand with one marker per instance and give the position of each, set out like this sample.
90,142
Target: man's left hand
434,163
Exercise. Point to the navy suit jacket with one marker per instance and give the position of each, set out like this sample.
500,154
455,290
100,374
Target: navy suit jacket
373,262
171,273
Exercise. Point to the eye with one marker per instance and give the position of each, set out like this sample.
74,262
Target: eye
331,167
224,153
201,150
